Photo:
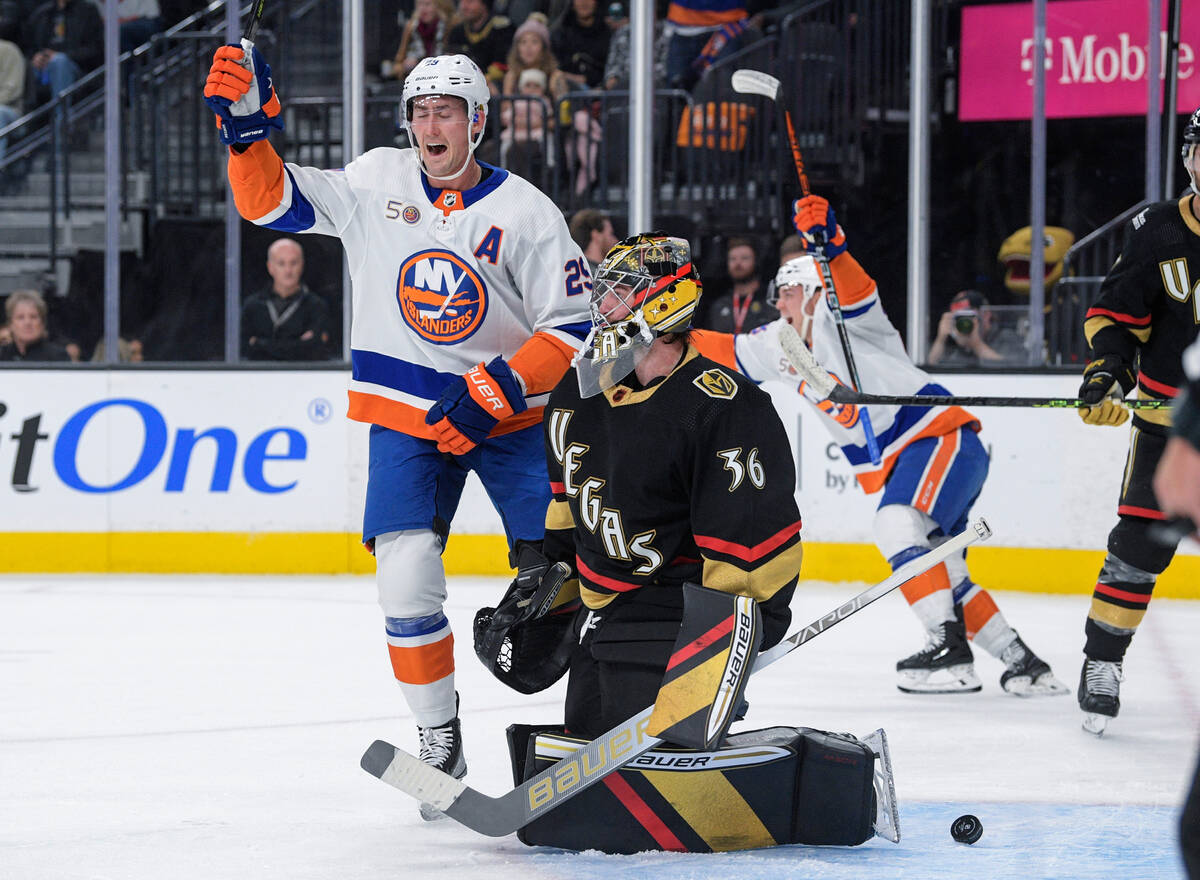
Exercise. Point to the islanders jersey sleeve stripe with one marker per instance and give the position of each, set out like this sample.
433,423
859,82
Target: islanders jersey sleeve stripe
542,361
853,283
376,409
719,347
263,190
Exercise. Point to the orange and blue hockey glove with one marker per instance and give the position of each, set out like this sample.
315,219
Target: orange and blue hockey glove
814,220
239,91
473,403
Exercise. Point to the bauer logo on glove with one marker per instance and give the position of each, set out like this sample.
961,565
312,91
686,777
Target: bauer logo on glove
240,93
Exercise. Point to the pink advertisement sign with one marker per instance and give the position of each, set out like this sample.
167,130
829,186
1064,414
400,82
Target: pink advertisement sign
1096,60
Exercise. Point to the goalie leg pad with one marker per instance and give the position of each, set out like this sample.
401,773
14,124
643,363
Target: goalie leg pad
710,664
777,786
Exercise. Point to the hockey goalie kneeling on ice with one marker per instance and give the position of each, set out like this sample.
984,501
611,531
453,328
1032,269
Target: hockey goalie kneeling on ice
701,791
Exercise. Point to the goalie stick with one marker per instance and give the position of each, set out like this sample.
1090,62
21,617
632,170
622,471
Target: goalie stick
499,816
827,387
755,82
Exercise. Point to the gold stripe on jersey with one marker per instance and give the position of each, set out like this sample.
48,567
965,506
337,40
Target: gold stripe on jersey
688,694
1154,416
713,807
623,395
762,583
1095,324
594,599
559,517
1115,616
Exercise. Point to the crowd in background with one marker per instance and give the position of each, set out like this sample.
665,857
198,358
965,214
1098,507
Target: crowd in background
536,55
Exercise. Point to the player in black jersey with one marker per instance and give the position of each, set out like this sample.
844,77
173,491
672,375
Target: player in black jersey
666,469
1146,315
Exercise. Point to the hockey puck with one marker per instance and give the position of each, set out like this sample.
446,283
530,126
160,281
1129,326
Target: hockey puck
966,829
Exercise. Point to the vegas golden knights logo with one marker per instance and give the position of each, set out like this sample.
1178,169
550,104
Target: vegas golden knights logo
716,383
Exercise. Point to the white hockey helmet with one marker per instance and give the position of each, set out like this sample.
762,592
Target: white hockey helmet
800,272
454,75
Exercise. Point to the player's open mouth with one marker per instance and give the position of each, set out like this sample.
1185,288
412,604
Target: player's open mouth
436,149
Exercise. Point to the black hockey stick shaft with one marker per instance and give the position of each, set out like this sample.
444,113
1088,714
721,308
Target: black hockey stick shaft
843,394
256,17
499,816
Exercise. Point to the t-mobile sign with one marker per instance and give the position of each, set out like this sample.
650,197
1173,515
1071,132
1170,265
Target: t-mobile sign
1096,60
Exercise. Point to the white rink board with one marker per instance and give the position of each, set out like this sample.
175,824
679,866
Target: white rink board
295,464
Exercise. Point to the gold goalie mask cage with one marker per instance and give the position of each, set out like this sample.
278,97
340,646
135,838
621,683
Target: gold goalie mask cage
645,287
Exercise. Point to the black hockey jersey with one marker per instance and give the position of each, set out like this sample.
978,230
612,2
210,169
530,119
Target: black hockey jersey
689,479
1149,305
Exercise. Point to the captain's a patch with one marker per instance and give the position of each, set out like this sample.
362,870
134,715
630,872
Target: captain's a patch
716,383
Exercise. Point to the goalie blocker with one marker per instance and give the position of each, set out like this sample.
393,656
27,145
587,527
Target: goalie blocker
770,787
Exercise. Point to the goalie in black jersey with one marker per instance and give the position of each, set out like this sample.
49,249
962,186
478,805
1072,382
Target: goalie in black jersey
1145,317
674,531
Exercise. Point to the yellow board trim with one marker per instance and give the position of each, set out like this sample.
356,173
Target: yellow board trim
1027,569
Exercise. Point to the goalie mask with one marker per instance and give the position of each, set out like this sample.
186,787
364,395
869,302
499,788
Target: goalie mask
1191,155
645,287
794,292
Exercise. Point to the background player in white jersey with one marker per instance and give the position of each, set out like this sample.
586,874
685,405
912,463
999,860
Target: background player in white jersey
470,299
933,464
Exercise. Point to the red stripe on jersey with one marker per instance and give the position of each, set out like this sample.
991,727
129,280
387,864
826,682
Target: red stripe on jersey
602,580
641,811
1143,512
1106,590
558,488
1096,311
692,648
749,554
1157,387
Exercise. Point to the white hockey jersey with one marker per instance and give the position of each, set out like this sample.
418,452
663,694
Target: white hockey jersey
883,368
442,280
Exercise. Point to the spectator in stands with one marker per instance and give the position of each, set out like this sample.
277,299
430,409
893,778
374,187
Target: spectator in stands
969,335
129,351
580,41
702,32
741,306
12,90
593,232
424,35
616,66
525,122
140,20
67,37
531,50
26,314
484,38
286,321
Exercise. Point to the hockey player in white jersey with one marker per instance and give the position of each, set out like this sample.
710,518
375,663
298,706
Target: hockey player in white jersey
933,465
470,299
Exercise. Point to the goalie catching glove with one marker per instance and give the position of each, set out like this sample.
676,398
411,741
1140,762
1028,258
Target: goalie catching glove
473,403
526,641
1106,381
702,689
239,91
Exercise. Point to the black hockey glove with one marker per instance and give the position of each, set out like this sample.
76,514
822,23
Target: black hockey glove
1105,381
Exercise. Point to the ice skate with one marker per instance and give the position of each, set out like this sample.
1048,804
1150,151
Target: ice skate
887,810
441,747
1099,693
1027,675
944,666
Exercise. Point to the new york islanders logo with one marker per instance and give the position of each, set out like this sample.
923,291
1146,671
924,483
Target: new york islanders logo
441,296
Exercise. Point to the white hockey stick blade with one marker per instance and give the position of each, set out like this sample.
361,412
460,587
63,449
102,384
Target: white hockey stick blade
887,808
755,82
499,816
806,365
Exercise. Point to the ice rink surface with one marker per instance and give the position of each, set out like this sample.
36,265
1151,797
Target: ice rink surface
209,728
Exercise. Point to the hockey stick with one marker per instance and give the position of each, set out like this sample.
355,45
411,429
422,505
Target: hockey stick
755,82
829,388
256,17
498,816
